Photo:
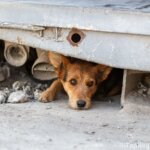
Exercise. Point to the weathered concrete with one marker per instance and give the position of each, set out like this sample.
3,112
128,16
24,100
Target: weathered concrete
36,126
119,29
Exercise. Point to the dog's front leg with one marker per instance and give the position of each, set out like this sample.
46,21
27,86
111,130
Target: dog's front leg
50,93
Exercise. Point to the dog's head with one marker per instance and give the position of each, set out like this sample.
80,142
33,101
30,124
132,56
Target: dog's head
79,78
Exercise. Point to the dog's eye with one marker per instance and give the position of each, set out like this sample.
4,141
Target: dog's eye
73,81
90,83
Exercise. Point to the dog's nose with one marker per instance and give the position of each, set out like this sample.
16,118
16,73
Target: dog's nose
81,103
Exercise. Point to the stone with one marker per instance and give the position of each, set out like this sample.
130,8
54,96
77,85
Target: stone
17,97
37,93
27,89
18,85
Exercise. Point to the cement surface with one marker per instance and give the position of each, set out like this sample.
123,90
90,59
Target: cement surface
54,126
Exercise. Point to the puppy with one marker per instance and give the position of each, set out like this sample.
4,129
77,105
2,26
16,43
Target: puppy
79,79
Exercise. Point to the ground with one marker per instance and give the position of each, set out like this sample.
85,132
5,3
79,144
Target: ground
36,126
43,126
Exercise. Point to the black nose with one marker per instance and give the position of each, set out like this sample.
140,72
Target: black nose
81,103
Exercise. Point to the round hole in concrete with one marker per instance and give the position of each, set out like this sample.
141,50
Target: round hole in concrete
76,38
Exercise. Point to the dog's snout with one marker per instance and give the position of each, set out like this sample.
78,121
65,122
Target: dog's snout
81,103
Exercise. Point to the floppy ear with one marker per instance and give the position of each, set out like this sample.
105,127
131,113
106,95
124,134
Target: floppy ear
102,72
60,63
57,59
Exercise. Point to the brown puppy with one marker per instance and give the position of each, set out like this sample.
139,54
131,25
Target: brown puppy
79,79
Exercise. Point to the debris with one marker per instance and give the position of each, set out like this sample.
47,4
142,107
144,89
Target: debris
37,93
27,89
41,86
17,97
18,85
141,91
143,87
3,97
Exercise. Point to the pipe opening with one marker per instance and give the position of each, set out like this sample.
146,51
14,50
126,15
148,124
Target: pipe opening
76,38
16,55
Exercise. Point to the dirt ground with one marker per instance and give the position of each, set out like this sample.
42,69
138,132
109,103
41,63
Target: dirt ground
36,126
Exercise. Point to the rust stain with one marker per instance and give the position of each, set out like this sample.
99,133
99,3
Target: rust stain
78,32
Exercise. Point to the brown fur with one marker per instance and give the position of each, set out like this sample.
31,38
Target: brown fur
79,79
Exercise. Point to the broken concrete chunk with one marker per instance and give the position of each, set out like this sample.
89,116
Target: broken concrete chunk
27,89
140,91
18,85
17,97
41,86
37,94
4,95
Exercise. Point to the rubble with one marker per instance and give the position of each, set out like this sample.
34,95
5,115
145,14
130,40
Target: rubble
3,97
143,87
20,88
37,93
17,97
18,85
21,92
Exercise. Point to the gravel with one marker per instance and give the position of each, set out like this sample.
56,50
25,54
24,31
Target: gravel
20,87
21,92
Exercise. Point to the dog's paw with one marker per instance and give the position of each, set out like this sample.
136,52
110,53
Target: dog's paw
46,97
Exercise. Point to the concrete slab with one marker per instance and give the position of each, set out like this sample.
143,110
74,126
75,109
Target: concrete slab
37,126
43,126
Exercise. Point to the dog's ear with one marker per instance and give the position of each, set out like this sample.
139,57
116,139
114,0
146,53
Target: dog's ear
60,63
57,60
102,72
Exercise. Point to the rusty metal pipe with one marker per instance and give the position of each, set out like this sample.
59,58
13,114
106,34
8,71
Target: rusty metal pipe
16,55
